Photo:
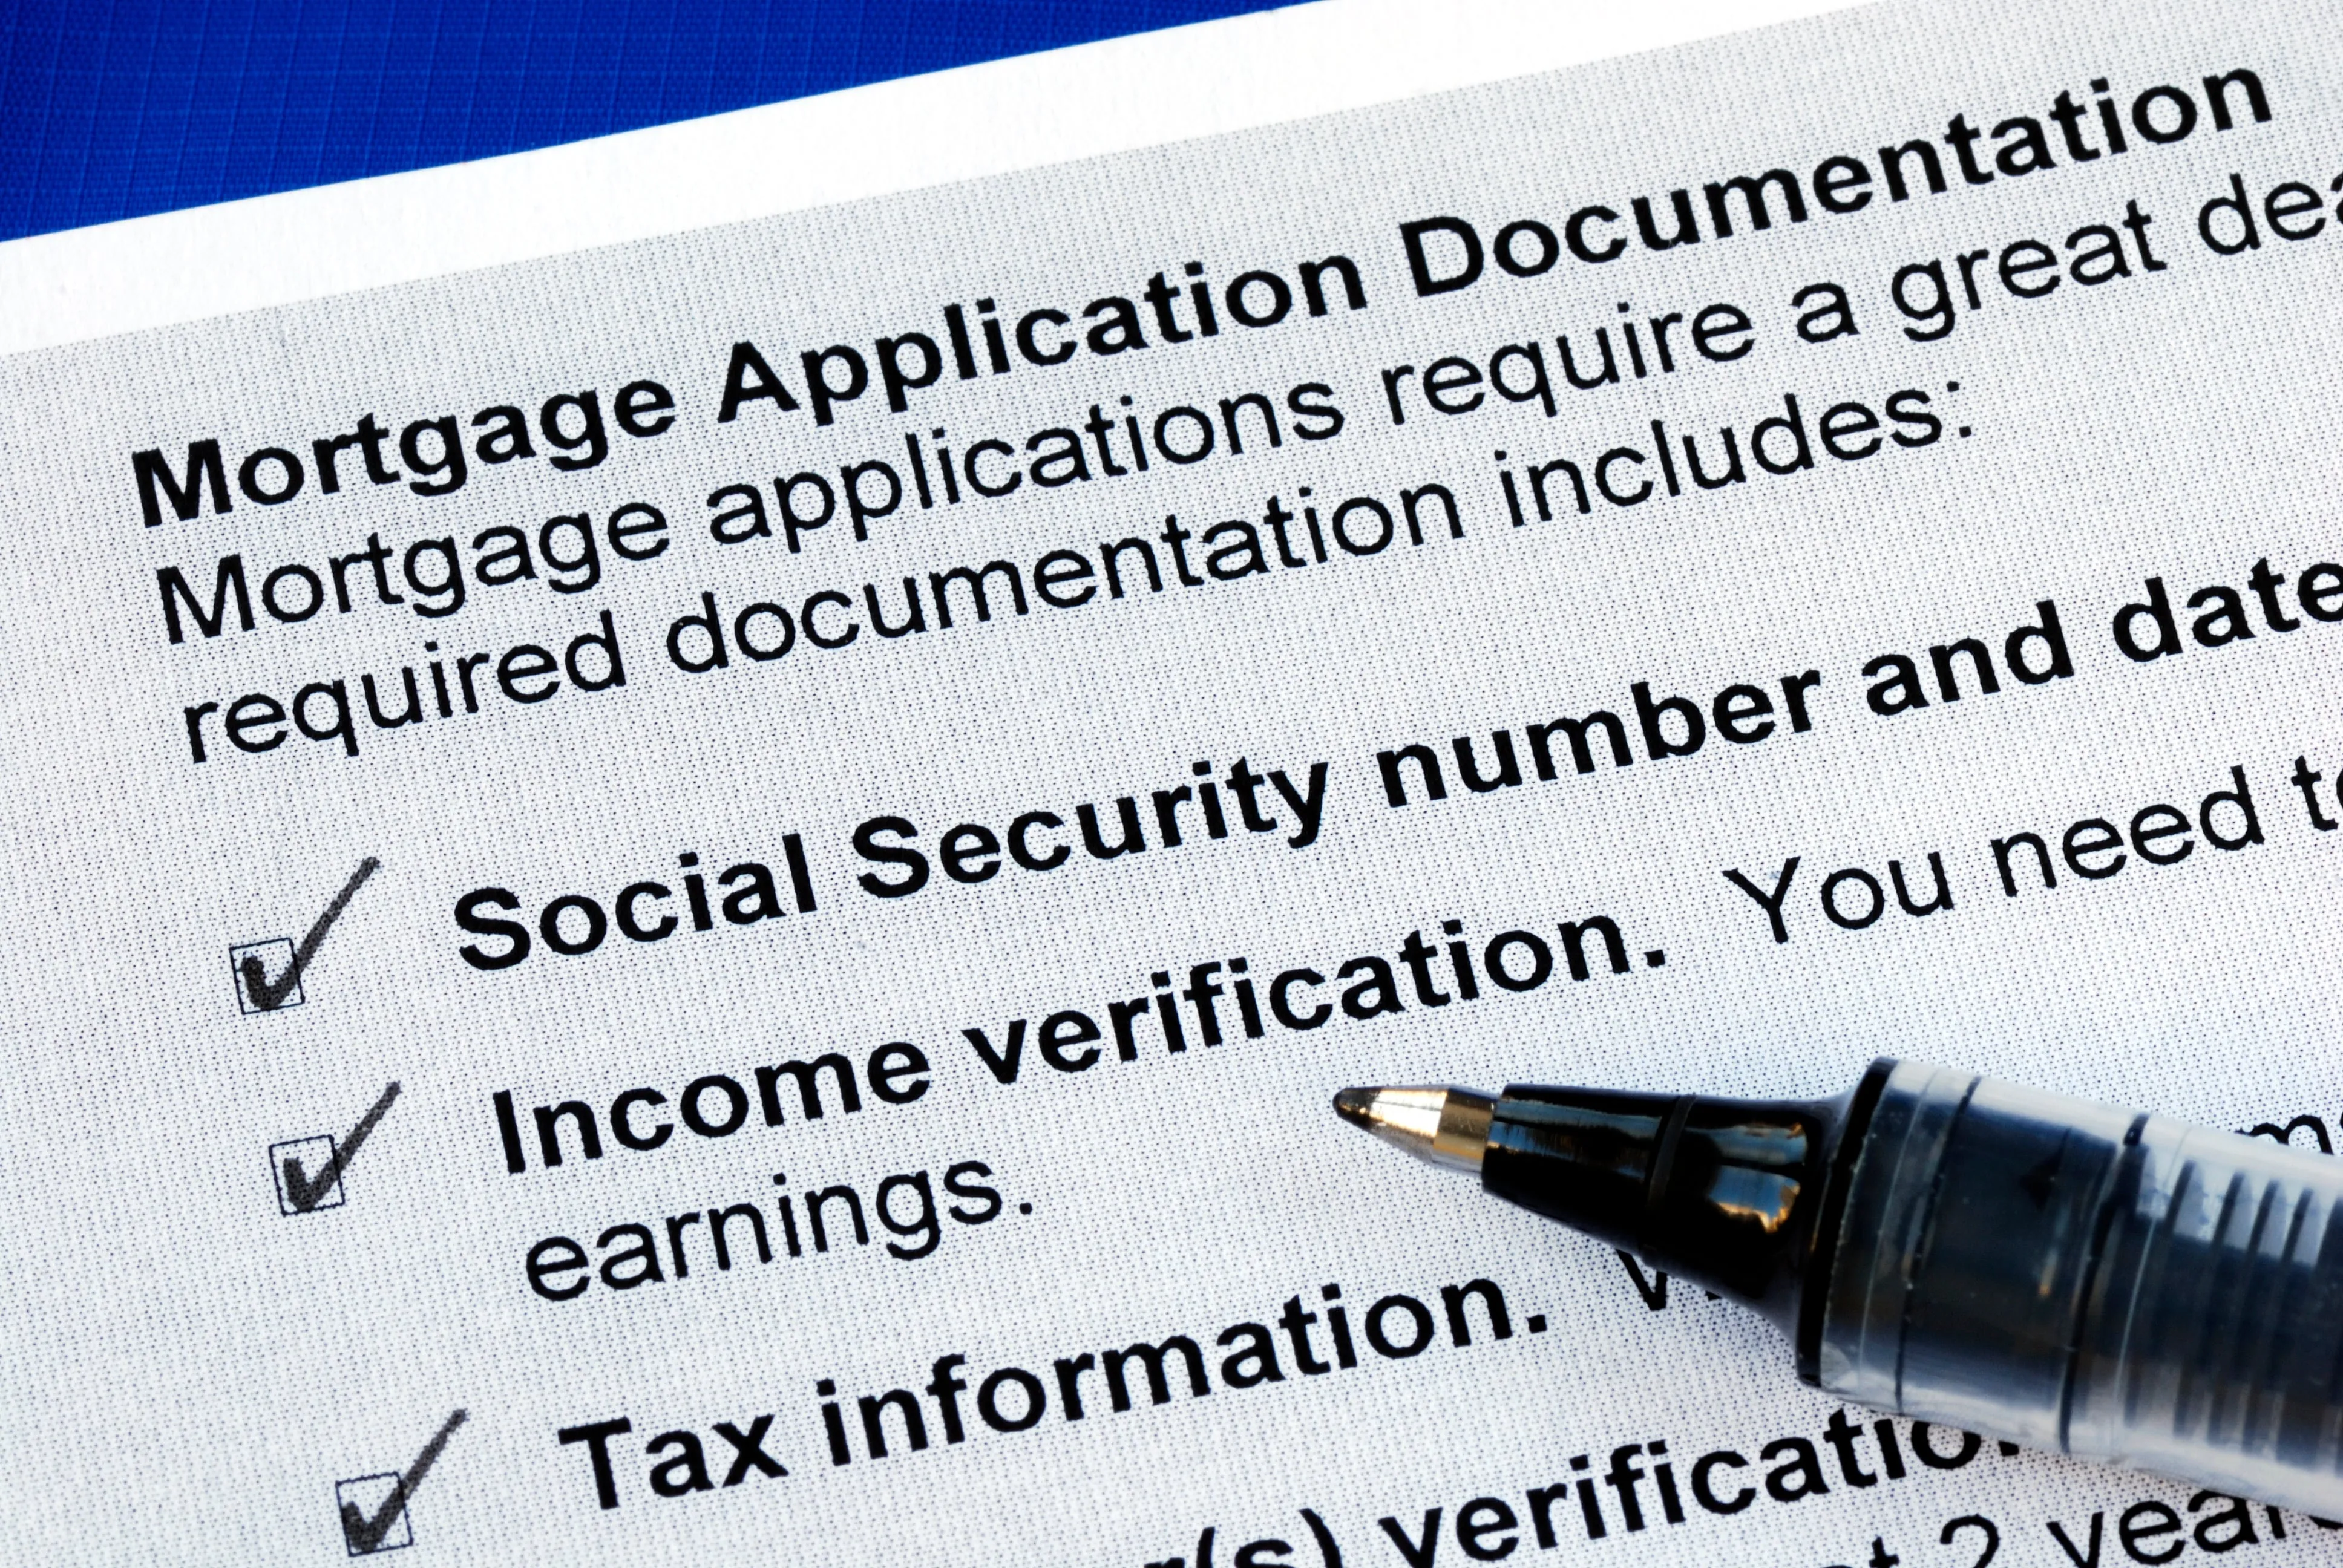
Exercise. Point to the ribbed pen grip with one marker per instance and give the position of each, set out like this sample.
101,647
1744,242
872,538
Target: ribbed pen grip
2118,1286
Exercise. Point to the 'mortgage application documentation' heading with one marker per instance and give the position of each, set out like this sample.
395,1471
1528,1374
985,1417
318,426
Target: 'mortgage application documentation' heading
436,456
1318,517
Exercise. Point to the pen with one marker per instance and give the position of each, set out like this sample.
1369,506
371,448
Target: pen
2100,1282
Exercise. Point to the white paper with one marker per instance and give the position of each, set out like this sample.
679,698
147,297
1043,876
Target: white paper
196,1373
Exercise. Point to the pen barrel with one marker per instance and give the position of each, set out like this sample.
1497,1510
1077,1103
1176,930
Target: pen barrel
2102,1283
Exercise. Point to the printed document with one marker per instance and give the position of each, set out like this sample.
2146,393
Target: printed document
697,899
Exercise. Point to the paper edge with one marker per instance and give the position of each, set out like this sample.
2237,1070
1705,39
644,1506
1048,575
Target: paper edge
1026,110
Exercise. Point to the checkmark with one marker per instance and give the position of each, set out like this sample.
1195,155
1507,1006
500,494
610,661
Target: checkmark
303,1191
269,998
364,1536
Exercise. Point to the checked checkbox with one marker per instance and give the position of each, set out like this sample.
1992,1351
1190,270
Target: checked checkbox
373,1507
309,1173
373,1510
308,1170
268,974
275,958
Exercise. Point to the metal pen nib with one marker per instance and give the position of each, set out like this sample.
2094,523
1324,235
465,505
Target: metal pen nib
1445,1125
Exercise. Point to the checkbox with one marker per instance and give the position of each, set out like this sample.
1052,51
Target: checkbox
361,1504
296,1192
276,956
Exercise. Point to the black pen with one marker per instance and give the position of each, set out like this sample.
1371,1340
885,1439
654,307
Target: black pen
2099,1283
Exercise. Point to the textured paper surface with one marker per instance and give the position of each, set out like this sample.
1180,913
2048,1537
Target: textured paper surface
193,1370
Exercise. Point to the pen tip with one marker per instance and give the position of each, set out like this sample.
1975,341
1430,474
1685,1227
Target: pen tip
1445,1125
